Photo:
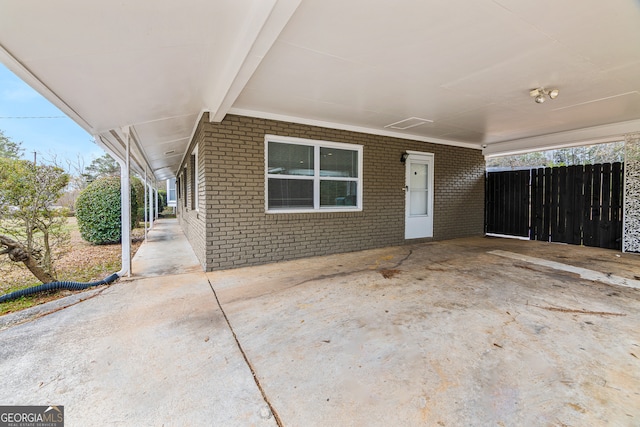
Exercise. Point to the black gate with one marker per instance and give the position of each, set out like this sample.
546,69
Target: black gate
507,202
580,205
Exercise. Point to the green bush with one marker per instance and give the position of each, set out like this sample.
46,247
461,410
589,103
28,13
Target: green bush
98,211
138,187
138,191
162,200
140,215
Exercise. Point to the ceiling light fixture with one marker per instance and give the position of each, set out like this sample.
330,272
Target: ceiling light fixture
540,94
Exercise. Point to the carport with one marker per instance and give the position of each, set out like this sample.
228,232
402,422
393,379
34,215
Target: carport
475,332
141,77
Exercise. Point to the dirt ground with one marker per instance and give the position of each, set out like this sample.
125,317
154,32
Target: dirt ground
78,261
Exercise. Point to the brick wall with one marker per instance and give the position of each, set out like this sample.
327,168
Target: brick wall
240,233
193,221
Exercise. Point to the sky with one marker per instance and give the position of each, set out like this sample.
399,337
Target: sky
59,136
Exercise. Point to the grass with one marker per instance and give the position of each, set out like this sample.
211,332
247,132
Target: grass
80,262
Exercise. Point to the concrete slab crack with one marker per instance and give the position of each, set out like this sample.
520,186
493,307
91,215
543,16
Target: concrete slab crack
399,263
246,359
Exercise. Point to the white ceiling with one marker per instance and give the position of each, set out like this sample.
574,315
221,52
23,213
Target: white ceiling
465,65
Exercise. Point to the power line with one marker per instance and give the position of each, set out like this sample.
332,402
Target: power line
33,117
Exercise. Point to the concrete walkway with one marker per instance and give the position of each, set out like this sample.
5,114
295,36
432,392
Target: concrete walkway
154,351
467,332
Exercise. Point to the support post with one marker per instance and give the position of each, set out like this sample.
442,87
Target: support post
150,204
146,210
125,203
157,204
125,180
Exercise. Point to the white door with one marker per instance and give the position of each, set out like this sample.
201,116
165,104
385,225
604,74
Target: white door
419,196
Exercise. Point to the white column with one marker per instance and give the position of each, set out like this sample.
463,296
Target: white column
150,204
125,189
631,216
157,203
125,201
125,204
146,210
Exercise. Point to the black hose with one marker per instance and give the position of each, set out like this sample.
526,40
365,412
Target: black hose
54,286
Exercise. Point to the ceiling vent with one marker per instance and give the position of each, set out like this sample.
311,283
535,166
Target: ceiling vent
411,122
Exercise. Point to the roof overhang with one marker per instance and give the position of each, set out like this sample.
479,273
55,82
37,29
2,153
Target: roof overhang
465,69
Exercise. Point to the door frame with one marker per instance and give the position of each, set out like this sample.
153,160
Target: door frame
421,226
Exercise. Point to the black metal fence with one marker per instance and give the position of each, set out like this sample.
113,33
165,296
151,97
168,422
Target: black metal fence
580,204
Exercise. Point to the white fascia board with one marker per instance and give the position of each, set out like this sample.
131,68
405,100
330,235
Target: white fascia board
350,128
138,144
260,32
574,138
20,70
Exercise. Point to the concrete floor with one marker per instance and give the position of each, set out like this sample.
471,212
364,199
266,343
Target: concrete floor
469,332
154,351
458,336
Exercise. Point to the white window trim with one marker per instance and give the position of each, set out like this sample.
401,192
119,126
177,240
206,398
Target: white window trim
316,176
173,187
196,178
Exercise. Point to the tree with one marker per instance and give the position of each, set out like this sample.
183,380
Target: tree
101,167
77,178
8,148
534,160
30,226
584,155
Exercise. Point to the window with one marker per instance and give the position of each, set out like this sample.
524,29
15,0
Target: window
171,192
305,175
194,178
184,186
